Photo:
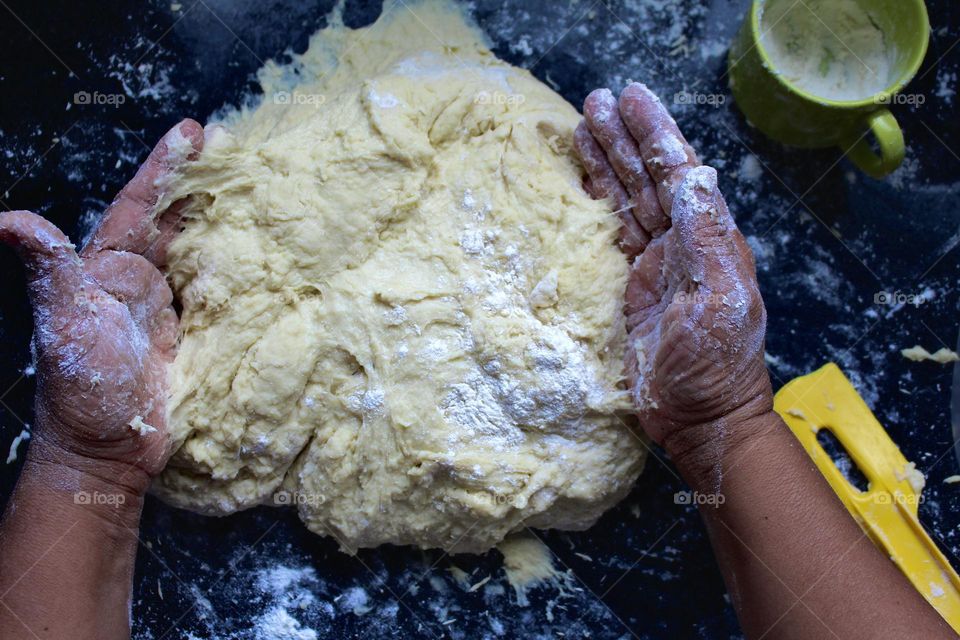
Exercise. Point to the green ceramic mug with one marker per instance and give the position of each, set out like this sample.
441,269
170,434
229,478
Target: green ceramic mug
821,73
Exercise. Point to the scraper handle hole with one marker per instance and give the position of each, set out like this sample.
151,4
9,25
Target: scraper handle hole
842,459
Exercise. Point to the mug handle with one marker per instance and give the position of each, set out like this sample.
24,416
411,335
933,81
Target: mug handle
889,137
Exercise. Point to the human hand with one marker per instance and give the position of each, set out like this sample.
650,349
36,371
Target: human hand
695,318
104,327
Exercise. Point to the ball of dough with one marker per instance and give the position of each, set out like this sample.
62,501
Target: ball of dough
401,313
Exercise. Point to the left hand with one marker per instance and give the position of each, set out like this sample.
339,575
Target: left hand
104,327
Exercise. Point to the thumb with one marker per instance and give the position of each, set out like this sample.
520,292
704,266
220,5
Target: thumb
130,222
706,233
53,268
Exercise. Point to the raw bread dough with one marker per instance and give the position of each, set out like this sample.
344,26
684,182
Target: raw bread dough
400,310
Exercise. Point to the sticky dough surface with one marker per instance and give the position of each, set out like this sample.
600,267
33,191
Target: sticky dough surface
401,313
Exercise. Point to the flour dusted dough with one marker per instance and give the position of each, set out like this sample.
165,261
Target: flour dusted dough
400,311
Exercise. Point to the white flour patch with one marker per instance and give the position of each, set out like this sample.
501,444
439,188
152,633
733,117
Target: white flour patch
278,624
559,384
287,590
560,388
370,402
355,600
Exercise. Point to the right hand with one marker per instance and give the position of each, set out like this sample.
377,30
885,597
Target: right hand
104,327
695,318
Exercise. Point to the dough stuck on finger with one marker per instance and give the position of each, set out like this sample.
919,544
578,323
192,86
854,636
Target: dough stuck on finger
401,312
129,223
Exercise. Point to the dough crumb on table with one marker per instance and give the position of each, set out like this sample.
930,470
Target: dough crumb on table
401,313
941,356
913,476
528,563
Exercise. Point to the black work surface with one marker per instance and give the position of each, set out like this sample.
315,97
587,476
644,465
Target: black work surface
827,240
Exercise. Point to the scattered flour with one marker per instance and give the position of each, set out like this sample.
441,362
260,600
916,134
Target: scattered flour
750,168
370,402
286,588
946,85
354,600
278,624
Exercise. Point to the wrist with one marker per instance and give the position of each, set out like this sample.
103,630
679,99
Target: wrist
703,452
108,490
69,538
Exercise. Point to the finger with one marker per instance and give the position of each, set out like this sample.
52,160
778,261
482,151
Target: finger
604,183
170,222
603,120
665,151
129,224
707,243
647,284
53,268
631,364
639,362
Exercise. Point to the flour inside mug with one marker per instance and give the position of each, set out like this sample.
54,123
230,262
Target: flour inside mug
833,49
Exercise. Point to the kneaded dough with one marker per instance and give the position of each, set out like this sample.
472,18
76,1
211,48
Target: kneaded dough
401,313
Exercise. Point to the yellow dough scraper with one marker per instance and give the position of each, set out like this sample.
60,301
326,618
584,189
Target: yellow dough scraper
887,510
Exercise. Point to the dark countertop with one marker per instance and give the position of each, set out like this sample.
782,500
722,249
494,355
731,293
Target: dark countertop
827,241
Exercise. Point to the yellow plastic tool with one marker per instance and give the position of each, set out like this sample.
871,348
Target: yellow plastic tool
887,510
